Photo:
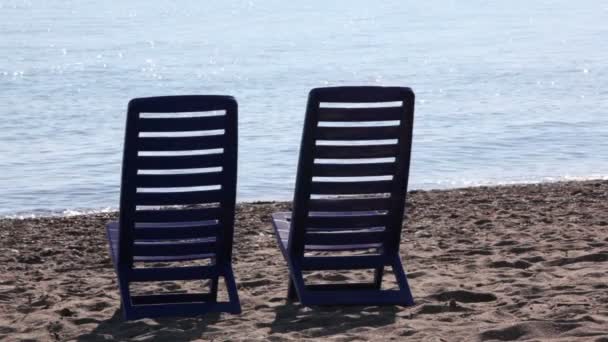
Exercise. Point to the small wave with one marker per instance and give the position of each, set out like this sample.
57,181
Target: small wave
465,183
56,213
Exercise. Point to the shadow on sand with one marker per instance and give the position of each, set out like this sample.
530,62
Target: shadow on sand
289,318
159,329
330,320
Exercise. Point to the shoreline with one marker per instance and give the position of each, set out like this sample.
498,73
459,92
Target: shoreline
71,212
506,262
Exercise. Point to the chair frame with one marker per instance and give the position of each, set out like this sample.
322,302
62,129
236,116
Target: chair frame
125,231
361,293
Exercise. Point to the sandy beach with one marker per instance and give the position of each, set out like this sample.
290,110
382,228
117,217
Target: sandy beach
524,262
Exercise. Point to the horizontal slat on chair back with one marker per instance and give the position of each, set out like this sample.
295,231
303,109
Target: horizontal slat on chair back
180,143
182,124
348,170
178,198
179,151
180,162
350,188
356,151
178,231
346,221
177,215
173,249
358,133
353,166
360,114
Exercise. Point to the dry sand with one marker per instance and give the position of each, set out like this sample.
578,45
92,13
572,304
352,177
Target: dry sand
493,263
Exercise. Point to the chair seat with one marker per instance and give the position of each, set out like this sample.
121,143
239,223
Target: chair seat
113,235
282,225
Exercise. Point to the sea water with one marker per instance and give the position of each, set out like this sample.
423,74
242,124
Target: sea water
507,91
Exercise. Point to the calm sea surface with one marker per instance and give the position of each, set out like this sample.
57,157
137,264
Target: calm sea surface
507,91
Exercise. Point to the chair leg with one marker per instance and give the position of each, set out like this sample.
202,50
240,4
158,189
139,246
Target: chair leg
213,286
378,273
296,290
404,287
125,295
233,294
292,295
214,282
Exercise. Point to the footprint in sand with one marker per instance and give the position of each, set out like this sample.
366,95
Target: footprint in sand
478,252
417,274
433,309
506,243
98,306
407,332
65,312
335,277
594,257
86,320
528,330
534,259
276,299
464,296
522,249
254,283
5,330
506,264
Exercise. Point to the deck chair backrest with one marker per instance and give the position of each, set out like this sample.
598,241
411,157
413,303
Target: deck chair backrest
179,151
353,168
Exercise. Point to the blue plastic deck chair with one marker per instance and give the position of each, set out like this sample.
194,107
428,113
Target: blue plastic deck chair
177,203
350,194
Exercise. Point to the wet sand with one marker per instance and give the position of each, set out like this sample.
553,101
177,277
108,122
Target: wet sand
527,262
